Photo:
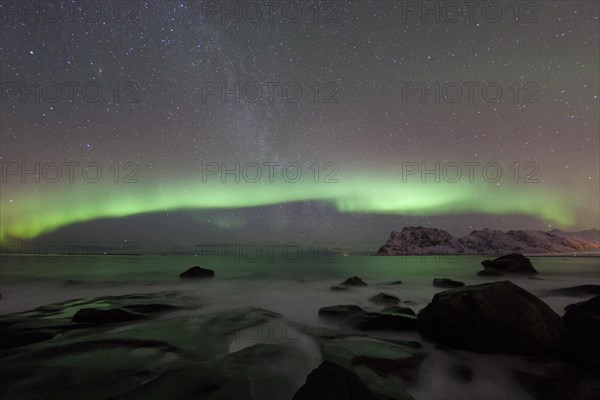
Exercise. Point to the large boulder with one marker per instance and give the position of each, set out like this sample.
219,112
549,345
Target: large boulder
583,323
197,272
492,317
513,263
583,317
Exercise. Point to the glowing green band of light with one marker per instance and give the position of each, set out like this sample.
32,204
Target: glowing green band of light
46,207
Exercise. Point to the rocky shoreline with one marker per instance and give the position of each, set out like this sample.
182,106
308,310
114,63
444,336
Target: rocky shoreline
163,345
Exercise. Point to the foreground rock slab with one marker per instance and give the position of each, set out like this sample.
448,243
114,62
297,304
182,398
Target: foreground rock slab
243,353
492,317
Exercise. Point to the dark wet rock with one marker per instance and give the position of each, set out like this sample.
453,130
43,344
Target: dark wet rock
399,310
583,323
332,382
353,281
461,372
512,263
492,317
410,303
380,356
197,272
489,272
271,370
447,283
339,312
583,350
394,283
339,288
385,299
577,291
100,316
74,318
381,321
184,357
583,317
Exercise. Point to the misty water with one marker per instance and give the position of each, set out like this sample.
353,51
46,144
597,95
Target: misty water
296,289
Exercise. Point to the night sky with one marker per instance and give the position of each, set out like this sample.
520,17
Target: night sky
348,100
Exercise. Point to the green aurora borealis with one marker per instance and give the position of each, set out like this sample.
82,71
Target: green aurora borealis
53,206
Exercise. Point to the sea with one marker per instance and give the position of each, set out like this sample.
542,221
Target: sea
297,287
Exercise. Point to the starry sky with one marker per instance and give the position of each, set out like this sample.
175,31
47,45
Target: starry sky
347,120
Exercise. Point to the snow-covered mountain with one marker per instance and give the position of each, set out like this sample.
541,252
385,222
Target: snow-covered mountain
421,240
590,235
